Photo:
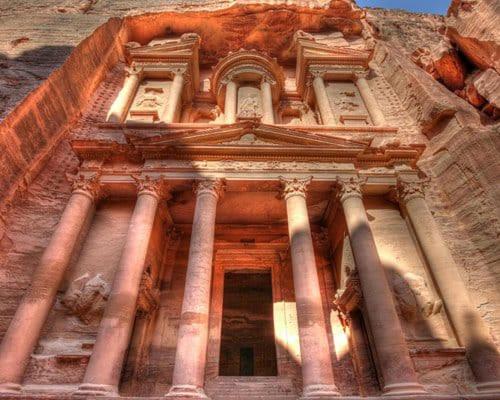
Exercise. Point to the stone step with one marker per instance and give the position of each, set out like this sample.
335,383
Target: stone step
251,388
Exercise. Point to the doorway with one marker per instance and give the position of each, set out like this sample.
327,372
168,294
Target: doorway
247,343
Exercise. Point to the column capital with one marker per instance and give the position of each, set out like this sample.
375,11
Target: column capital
408,190
294,187
89,186
153,187
214,187
349,187
133,70
267,79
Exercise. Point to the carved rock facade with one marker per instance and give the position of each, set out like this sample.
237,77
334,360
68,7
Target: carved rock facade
313,164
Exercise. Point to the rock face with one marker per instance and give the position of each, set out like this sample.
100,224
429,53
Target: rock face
257,94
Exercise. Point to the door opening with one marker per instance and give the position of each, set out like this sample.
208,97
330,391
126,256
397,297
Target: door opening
247,344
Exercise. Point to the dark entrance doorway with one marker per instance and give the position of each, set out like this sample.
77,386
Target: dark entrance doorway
247,343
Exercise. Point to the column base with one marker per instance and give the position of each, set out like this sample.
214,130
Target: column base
10,388
403,389
95,389
488,387
181,392
319,392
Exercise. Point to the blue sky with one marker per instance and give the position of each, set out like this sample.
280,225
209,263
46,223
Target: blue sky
427,6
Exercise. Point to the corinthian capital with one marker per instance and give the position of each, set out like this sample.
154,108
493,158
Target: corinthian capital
349,187
294,187
154,187
214,187
86,185
408,190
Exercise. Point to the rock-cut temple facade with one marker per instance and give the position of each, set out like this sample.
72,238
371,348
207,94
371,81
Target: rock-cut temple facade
254,201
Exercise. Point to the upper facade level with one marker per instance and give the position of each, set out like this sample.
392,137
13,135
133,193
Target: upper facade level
329,85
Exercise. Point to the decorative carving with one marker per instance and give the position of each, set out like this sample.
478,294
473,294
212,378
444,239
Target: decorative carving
417,304
214,187
294,187
86,296
249,103
408,190
149,295
87,185
350,297
155,187
349,187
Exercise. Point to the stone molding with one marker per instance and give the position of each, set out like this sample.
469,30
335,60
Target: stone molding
294,187
349,187
153,187
213,187
409,190
89,186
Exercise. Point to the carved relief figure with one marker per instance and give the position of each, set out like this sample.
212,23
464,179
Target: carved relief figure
85,296
346,100
150,101
418,306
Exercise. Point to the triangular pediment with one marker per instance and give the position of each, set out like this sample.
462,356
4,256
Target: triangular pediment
247,135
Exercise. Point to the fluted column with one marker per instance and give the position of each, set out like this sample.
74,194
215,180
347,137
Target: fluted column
316,363
267,102
190,357
395,364
120,106
25,328
324,106
174,98
472,333
370,102
104,369
231,102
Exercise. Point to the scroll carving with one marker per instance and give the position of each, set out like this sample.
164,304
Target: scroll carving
408,190
148,185
214,187
349,187
87,185
294,187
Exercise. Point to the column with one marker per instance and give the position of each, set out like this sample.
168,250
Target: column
267,102
174,98
231,102
471,330
25,328
317,374
120,106
324,106
394,362
190,357
104,369
370,102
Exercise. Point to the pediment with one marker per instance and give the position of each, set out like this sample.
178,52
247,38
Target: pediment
183,47
250,136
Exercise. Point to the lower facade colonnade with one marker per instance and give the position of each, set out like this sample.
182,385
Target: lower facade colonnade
394,364
25,329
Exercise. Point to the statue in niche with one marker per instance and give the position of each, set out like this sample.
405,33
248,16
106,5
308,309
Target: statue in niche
149,102
249,103
86,296
418,306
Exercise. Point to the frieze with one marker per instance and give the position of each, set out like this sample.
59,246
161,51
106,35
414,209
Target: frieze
244,165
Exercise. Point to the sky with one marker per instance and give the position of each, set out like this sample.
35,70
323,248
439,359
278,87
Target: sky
425,6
